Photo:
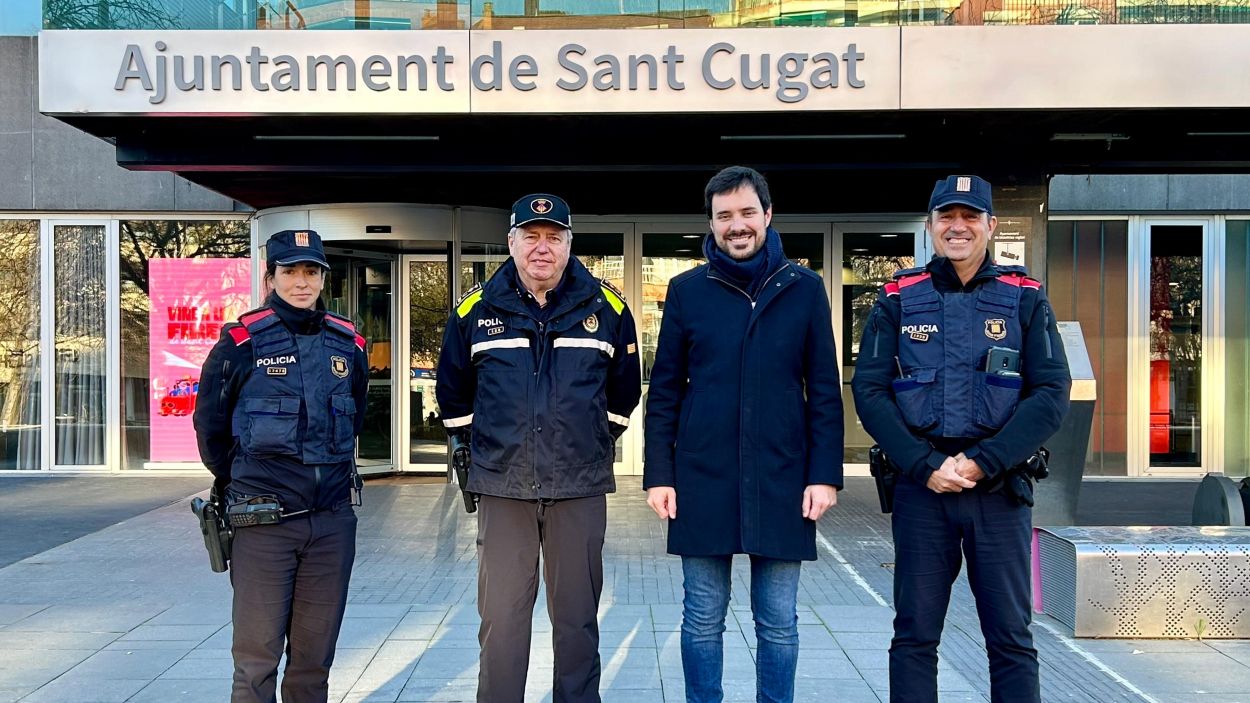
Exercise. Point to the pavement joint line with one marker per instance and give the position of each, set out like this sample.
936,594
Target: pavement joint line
855,576
1094,660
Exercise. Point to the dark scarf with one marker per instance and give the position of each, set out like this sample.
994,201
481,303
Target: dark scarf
748,274
299,320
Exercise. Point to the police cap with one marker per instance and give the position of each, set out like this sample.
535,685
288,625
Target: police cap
293,246
541,207
972,191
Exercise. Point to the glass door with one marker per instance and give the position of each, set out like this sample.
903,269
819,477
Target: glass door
77,321
870,254
428,303
1174,347
360,289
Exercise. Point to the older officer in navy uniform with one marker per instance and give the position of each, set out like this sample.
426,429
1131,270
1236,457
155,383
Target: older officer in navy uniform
957,431
540,367
281,401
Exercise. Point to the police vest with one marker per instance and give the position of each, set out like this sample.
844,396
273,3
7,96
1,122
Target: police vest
297,401
944,340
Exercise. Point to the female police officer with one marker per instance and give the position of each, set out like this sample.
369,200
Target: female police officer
280,403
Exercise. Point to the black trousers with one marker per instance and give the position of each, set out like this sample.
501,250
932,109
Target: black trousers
290,591
510,534
932,532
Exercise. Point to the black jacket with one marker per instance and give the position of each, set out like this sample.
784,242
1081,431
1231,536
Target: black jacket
541,396
744,411
1043,399
229,367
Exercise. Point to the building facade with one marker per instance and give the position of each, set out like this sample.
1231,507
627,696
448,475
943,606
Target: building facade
153,147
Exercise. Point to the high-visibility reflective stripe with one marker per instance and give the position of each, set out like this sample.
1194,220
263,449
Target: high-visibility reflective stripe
618,419
514,343
458,421
613,299
585,344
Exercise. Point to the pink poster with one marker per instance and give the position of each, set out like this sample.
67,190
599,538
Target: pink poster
191,300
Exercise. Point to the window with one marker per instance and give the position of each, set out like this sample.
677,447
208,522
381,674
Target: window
20,399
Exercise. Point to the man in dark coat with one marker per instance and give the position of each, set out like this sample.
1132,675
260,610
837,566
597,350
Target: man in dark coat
961,377
744,423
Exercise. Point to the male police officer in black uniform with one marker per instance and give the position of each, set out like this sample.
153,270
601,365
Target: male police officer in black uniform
540,365
281,401
957,431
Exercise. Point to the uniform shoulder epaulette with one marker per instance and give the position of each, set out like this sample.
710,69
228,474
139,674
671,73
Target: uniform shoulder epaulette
614,295
904,273
1015,276
238,333
253,316
904,278
345,326
468,300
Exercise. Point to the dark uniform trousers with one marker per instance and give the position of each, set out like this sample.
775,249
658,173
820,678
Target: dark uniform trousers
510,535
931,530
290,591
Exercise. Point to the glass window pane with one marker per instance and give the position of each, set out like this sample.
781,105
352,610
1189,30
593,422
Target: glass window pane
79,343
805,249
869,261
664,256
20,422
1087,281
1175,345
603,254
429,290
180,282
1237,351
373,321
478,262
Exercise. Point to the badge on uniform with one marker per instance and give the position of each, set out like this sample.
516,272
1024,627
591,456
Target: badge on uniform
540,205
339,366
591,323
275,370
301,239
996,329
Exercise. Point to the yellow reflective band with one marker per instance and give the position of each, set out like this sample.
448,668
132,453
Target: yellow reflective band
467,304
614,300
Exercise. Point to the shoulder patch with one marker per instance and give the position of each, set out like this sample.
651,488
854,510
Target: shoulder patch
239,334
1015,279
253,316
342,323
470,298
903,273
891,289
615,297
910,279
360,342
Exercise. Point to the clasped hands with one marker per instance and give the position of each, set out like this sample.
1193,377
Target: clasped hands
956,473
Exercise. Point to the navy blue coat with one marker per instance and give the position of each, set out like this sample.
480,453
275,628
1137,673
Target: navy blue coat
744,412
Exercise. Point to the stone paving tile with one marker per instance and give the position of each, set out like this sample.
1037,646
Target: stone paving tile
1181,672
170,632
32,667
119,664
10,614
184,691
190,667
87,690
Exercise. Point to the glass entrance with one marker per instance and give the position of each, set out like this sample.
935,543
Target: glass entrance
429,303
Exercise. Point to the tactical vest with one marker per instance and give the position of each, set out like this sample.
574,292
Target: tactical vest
944,339
297,401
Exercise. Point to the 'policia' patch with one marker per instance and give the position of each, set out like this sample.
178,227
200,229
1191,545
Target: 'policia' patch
338,365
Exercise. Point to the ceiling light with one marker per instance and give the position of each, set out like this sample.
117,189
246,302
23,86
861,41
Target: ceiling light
1088,137
804,137
692,236
343,138
1217,134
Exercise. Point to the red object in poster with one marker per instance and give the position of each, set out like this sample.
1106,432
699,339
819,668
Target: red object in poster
1160,407
191,299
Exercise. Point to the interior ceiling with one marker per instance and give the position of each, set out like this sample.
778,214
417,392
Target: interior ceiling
603,164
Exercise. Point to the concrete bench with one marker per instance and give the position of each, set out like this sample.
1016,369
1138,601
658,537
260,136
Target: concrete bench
1156,582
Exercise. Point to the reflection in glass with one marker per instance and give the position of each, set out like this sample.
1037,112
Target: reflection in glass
603,254
19,345
1237,350
429,289
373,321
478,262
868,262
1093,250
1175,345
79,343
142,242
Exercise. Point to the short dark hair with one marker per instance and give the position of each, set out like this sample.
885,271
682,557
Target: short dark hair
733,178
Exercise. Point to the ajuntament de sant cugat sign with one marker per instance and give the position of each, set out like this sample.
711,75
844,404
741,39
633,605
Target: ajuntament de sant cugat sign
252,72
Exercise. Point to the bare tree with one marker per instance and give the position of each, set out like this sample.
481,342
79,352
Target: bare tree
107,14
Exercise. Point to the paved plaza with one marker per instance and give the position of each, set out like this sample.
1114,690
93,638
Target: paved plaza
131,612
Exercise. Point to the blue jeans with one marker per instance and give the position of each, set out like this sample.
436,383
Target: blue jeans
774,592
